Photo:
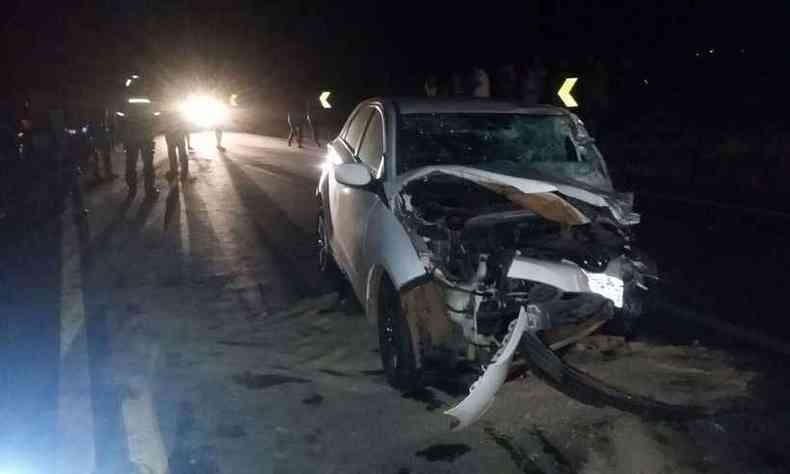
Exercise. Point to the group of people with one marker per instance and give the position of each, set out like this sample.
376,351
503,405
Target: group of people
44,148
526,84
532,83
50,146
140,122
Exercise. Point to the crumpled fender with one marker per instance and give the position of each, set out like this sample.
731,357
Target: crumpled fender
483,391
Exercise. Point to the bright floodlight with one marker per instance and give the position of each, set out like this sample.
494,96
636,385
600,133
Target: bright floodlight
204,111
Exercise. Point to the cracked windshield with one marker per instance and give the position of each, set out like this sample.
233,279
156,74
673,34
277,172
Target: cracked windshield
387,237
510,143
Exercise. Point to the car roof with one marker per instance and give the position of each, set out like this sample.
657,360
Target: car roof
429,105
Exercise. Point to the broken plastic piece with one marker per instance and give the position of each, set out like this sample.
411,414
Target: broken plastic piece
622,205
481,395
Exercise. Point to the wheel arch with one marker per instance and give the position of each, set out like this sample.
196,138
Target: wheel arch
378,278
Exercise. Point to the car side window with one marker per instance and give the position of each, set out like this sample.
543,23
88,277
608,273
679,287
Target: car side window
372,147
357,127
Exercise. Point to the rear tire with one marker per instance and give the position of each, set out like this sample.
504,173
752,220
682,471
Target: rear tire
395,342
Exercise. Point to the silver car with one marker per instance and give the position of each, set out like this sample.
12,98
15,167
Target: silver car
465,224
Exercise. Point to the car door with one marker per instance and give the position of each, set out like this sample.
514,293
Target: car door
345,148
356,204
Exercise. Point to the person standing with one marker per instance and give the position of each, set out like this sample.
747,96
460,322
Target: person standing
456,85
220,93
218,135
188,140
481,84
431,86
505,85
295,126
138,139
103,147
175,137
75,150
89,135
533,82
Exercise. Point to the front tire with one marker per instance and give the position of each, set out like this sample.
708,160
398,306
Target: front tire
326,261
395,342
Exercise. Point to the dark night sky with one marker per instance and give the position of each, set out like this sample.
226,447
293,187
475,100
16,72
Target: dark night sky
359,48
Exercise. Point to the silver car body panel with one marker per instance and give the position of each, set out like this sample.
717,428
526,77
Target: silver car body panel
391,248
354,212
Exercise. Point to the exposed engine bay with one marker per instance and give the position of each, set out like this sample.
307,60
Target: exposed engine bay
506,261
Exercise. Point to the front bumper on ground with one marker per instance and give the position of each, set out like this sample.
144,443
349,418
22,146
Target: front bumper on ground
531,319
481,395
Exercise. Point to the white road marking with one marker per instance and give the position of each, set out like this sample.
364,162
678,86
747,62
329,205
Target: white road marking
186,247
144,439
75,449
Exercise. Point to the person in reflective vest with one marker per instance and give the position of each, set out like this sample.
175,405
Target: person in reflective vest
137,133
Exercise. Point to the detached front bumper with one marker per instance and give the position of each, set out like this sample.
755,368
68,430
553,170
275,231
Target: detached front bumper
483,391
555,296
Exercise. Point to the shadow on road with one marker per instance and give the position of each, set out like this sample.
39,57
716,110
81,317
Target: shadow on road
102,241
172,206
279,233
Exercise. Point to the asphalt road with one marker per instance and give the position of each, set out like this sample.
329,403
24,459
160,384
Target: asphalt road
192,334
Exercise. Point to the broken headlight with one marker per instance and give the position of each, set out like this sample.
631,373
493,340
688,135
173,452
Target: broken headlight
608,286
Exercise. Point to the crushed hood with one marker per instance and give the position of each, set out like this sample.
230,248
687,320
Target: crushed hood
621,204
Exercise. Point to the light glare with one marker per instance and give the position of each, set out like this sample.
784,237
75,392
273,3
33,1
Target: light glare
204,111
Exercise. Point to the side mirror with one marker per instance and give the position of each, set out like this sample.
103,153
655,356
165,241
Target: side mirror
353,174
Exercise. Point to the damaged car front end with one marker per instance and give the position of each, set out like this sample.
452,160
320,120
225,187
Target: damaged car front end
509,260
478,234
515,253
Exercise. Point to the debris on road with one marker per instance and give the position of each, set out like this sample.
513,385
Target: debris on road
443,452
261,381
317,305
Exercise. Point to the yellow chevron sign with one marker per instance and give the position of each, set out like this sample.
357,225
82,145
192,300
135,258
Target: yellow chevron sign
565,92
